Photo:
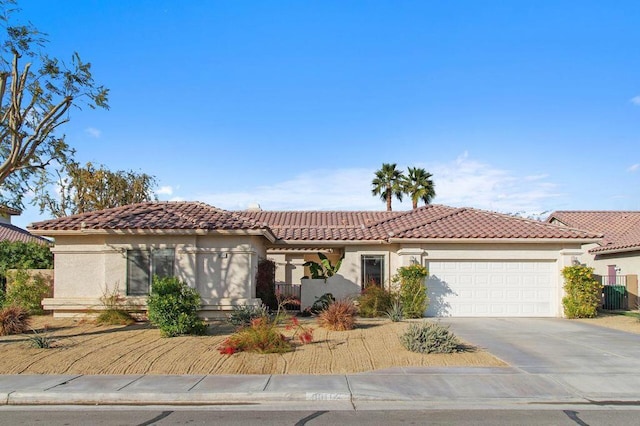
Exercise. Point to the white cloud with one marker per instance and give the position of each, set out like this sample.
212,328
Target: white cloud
93,132
633,168
461,182
468,182
635,100
165,190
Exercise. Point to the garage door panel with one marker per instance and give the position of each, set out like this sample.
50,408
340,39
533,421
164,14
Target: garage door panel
494,288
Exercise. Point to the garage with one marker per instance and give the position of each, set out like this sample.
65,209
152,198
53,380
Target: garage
493,288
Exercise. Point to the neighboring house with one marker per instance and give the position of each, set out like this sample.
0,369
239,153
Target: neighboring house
616,258
480,263
9,232
618,252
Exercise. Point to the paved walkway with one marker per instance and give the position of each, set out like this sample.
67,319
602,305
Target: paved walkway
553,362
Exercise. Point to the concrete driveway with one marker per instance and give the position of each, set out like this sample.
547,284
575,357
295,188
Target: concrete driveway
594,360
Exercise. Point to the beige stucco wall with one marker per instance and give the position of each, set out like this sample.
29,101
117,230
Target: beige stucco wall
628,262
221,267
397,255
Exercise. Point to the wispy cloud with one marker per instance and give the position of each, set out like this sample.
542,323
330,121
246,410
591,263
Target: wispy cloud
633,168
635,100
469,182
165,190
93,132
461,182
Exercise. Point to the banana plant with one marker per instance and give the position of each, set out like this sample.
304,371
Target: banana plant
324,269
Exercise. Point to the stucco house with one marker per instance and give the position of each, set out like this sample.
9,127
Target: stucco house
480,263
616,257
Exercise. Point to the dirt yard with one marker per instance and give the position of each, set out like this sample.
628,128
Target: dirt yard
81,347
619,322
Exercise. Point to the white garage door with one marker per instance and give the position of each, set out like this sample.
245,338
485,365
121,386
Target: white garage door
492,289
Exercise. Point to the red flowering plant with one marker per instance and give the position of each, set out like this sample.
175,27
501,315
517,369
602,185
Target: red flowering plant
264,335
304,334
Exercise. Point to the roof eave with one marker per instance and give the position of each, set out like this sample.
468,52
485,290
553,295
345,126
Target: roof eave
600,250
494,240
70,232
307,243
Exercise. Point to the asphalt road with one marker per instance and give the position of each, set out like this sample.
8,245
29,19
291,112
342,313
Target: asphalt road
196,416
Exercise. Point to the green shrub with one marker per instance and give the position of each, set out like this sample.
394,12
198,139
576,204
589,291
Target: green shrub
413,291
374,302
339,316
13,320
173,307
242,315
427,338
27,291
582,292
19,255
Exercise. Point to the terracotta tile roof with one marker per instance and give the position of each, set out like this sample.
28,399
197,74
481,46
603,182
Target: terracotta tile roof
158,215
620,229
429,222
322,225
479,224
9,232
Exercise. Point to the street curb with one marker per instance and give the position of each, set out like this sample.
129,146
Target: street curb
185,398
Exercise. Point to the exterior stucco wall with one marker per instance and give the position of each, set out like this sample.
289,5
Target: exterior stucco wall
627,262
397,255
221,267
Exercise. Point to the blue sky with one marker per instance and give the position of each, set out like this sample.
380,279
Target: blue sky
512,106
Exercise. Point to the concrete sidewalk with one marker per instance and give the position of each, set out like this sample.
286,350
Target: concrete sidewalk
423,387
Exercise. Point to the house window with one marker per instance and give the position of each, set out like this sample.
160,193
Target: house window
142,265
372,270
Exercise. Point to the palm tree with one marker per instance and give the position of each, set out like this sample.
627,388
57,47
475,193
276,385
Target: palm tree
388,183
419,186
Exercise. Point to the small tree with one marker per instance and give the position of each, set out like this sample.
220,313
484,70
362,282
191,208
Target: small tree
413,292
582,290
